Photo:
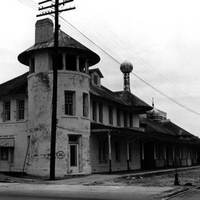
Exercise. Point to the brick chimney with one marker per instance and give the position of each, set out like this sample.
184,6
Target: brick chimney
43,30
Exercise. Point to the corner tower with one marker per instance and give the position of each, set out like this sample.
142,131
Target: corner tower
73,125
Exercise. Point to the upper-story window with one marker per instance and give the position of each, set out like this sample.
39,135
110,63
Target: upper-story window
125,120
94,111
59,62
118,118
6,111
82,64
110,113
101,112
32,65
20,109
69,102
71,62
85,104
96,79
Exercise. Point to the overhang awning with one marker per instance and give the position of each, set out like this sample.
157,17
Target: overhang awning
7,142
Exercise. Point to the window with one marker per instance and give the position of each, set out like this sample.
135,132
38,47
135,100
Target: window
70,62
85,104
117,151
4,153
69,102
96,78
125,119
101,112
131,120
32,65
110,113
118,118
94,111
82,64
7,154
6,111
103,151
20,109
59,62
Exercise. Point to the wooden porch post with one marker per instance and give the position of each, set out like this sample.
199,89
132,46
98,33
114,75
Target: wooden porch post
109,152
128,155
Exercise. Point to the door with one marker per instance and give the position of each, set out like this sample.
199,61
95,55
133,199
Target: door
74,160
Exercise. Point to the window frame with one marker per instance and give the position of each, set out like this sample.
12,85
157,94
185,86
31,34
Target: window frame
101,112
72,105
19,110
85,104
94,111
6,112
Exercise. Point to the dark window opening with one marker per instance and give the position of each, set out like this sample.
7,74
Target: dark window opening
85,105
32,65
96,79
20,109
130,149
69,102
59,62
6,111
73,138
110,113
70,62
82,65
94,111
101,112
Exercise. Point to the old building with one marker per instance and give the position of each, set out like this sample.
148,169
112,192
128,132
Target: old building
98,130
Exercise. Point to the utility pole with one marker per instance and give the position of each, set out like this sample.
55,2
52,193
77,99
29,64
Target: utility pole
54,6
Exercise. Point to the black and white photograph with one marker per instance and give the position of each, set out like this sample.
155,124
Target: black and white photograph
100,100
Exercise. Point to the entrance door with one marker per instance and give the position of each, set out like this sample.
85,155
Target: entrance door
149,162
74,161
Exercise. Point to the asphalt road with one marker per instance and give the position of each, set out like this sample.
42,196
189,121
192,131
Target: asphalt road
193,194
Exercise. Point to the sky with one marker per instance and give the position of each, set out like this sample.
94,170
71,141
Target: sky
160,37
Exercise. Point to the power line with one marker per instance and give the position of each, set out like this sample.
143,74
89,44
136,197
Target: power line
137,76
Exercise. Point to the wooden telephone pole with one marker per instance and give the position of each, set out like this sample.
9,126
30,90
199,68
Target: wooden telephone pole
54,9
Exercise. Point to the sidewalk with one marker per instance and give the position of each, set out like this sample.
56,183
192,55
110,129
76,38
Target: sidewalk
93,179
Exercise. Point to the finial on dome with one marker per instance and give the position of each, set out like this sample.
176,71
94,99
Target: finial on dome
126,67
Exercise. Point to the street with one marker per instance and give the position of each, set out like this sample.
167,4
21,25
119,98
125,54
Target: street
10,191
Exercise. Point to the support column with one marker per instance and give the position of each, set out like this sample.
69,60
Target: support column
77,64
86,67
128,155
109,152
64,61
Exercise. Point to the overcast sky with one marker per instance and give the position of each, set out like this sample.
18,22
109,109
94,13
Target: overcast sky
160,37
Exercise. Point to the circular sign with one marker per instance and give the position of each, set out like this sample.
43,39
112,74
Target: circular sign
60,154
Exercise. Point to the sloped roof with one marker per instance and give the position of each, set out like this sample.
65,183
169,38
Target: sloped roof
168,130
65,41
14,86
126,99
